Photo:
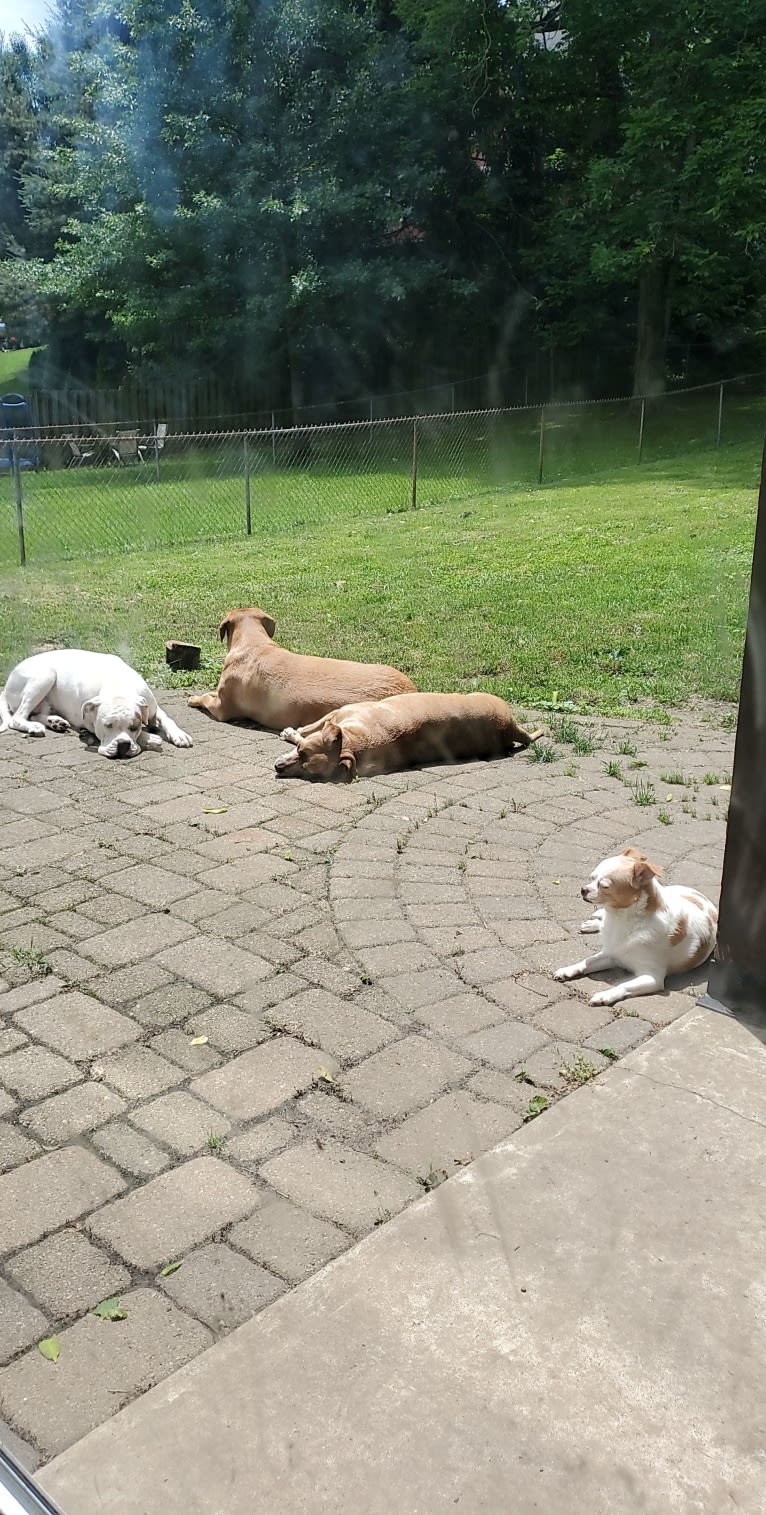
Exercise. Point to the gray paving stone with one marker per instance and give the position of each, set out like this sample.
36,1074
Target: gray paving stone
130,1150
221,1287
248,872
66,1274
413,990
67,1115
11,1040
572,1019
517,1000
289,1240
341,1185
620,1034
72,967
30,994
250,1147
259,1081
177,1046
151,886
101,1368
447,1134
563,1066
34,1072
158,1223
26,1455
229,1029
402,1077
216,965
502,1088
505,1045
234,920
204,905
138,939
15,1147
340,1025
112,909
138,1072
78,1026
129,984
338,1117
169,1005
459,1015
52,1191
271,992
487,967
7,1104
181,1122
20,1322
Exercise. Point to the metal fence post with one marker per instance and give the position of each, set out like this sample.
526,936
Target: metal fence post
541,447
19,502
641,431
414,463
720,415
248,522
273,441
156,456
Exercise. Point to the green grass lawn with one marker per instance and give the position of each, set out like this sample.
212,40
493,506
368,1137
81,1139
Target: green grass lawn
14,368
628,593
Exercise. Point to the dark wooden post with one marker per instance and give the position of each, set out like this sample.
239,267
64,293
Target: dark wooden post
738,976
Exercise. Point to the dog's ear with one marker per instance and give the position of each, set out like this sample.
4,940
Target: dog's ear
143,711
227,625
268,623
346,760
88,710
643,870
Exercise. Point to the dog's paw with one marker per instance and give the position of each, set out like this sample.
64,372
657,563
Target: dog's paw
57,723
34,728
562,974
181,739
289,735
606,997
195,700
153,743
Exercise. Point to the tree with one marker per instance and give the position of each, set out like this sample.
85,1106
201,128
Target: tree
656,187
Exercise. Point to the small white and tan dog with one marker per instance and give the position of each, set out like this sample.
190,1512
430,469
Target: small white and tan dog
92,690
651,928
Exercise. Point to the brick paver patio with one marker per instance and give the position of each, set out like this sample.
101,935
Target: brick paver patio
243,1020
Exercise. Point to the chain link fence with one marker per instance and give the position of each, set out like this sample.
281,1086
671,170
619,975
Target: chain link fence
104,490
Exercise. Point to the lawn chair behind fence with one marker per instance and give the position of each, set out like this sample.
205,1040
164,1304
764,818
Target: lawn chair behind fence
126,450
77,455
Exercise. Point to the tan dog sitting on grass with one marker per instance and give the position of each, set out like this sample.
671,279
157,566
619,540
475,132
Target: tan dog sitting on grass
385,735
263,682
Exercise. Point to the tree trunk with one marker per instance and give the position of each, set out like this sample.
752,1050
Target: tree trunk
652,333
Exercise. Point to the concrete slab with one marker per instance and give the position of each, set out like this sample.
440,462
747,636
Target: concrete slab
573,1323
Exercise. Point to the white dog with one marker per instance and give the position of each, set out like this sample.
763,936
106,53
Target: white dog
650,928
94,690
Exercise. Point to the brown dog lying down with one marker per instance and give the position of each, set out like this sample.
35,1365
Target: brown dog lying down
265,683
377,737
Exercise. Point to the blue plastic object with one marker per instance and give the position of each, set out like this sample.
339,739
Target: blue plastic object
15,414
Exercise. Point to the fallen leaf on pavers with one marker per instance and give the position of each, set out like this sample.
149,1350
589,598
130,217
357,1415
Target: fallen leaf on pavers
325,1075
50,1348
170,1268
199,1041
727,787
216,810
555,880
110,1309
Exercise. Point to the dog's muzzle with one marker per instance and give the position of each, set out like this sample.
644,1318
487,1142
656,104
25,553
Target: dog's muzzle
589,892
286,763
